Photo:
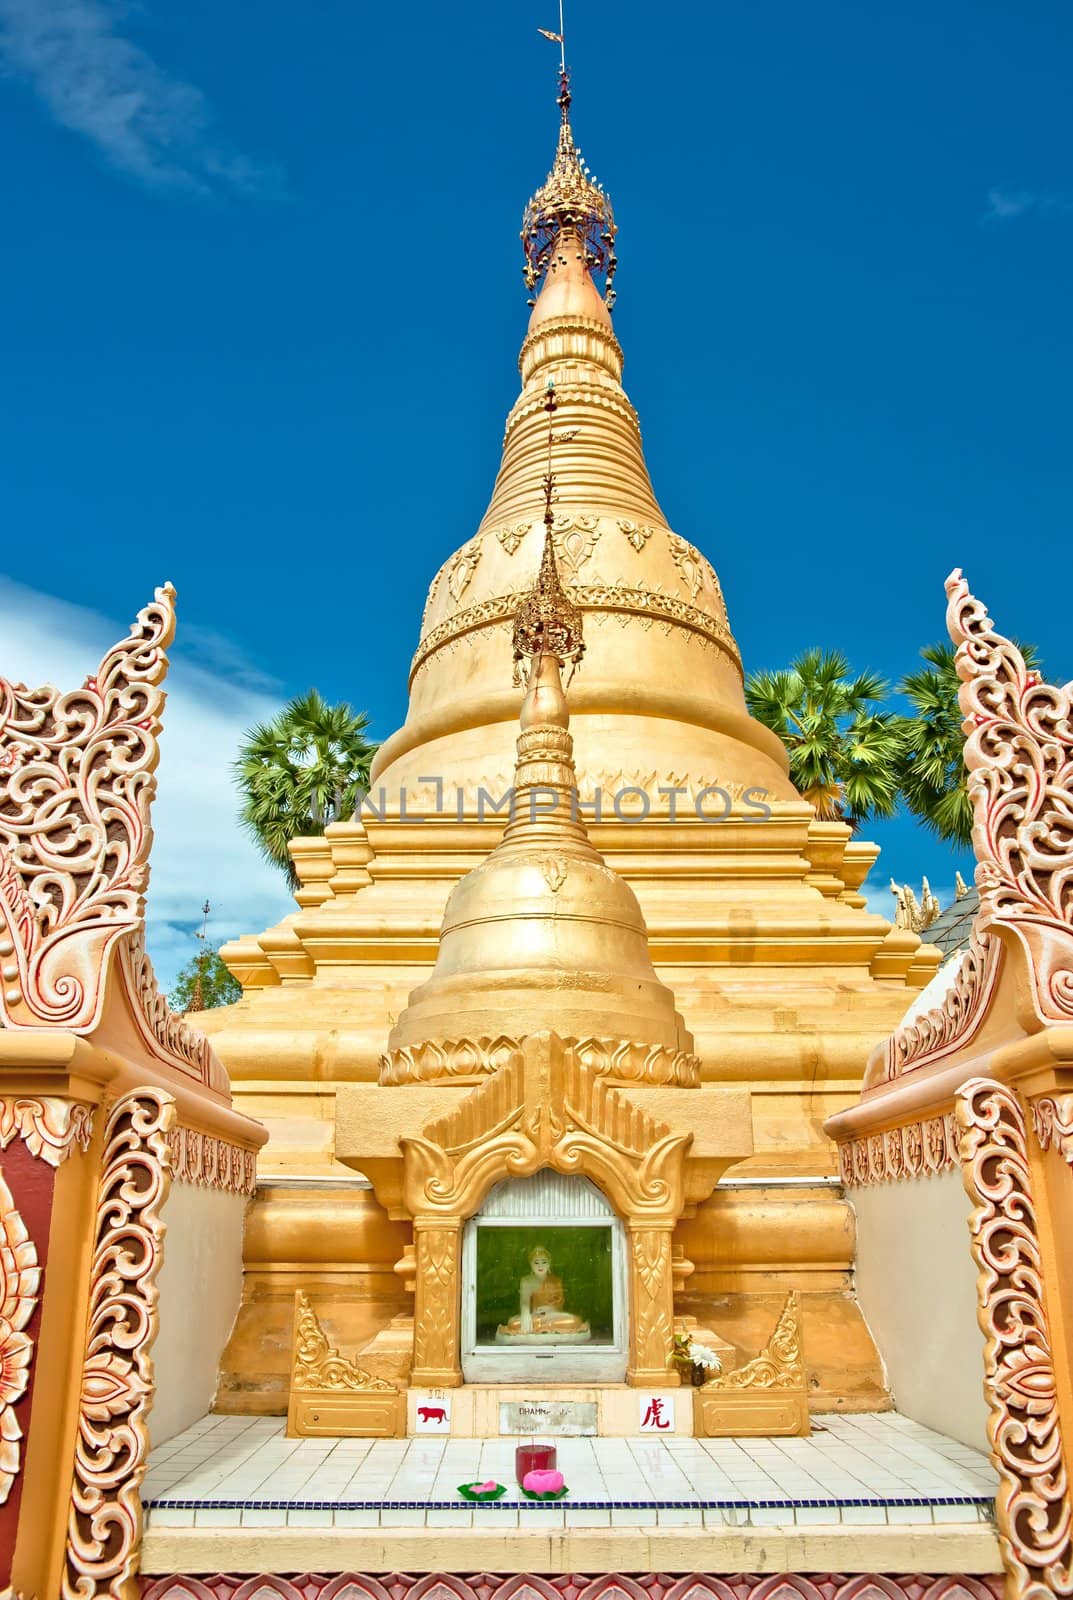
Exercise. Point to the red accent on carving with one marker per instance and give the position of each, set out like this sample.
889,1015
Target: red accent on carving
32,1184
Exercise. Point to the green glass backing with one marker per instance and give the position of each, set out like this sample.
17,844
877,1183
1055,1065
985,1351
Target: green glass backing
581,1257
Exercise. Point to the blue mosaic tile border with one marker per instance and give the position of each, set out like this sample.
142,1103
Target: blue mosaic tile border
164,1502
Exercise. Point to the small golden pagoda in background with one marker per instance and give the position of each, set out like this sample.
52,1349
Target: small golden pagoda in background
704,874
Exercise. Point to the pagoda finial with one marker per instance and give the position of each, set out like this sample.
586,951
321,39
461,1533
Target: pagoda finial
547,622
569,202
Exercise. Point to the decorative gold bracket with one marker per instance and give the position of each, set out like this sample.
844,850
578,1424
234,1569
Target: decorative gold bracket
768,1395
331,1394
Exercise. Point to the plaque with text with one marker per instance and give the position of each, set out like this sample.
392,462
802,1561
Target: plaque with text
555,1417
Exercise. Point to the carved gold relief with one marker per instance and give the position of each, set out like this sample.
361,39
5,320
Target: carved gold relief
436,1324
1033,1507
688,562
462,569
20,1283
331,1395
779,1365
554,870
105,1519
511,538
637,533
433,586
318,1365
630,604
574,538
49,1127
768,1395
623,1060
652,1322
547,1110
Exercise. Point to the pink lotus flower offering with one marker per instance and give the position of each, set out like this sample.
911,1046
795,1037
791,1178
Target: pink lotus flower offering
547,1481
488,1487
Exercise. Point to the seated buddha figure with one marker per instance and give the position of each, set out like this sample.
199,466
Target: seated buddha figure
540,1304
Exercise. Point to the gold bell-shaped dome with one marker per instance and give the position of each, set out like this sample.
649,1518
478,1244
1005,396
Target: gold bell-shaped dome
543,934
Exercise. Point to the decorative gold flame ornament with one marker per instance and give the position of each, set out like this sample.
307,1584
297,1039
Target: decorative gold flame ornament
548,622
569,211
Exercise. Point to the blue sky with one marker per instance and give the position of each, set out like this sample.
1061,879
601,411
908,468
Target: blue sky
262,300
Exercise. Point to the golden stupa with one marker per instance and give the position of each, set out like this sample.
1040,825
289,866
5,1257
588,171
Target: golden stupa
754,917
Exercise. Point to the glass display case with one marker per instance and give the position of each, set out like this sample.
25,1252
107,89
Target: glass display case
544,1285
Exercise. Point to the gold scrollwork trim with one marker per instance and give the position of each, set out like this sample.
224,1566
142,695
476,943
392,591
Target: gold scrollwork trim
780,1365
1033,1507
650,605
105,1518
317,1365
20,1283
212,1163
49,1127
470,1059
915,1150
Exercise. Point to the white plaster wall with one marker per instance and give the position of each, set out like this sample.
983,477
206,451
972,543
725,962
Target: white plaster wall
916,1284
200,1286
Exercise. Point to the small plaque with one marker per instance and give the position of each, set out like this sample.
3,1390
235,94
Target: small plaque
656,1413
562,1418
432,1412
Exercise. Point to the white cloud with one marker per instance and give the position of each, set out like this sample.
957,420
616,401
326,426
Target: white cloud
1005,204
879,900
199,850
102,85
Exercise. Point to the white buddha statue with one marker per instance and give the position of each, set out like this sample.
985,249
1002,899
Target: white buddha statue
541,1312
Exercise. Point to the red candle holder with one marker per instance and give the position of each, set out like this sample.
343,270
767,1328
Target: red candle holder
533,1458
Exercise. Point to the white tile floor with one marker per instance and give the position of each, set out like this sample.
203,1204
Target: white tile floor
241,1471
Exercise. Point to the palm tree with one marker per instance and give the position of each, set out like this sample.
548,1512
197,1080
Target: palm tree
301,771
844,749
932,776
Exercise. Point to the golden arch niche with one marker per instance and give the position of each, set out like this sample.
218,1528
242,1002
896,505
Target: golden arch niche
645,1156
545,1295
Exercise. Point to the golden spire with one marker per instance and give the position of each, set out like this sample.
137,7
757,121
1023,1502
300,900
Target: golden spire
569,202
547,622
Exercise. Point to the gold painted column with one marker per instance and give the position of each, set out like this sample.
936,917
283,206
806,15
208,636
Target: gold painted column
652,1305
437,1250
1050,1161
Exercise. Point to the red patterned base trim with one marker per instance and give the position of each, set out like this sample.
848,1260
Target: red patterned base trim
575,1586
